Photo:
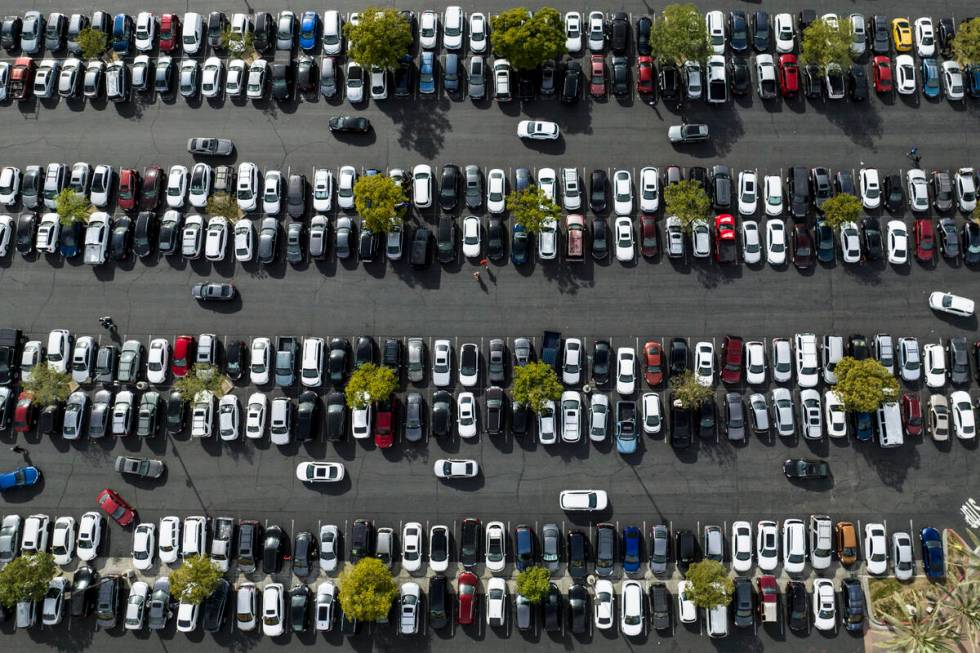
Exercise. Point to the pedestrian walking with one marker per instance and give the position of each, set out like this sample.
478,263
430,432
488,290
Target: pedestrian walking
18,449
485,262
476,275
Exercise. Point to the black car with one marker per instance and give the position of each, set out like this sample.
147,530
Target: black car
420,253
971,243
469,543
811,79
299,608
578,609
743,603
449,187
547,79
349,125
439,607
879,35
600,239
525,546
852,604
553,608
145,234
871,237
686,546
721,187
120,240
71,239
361,541
176,413
84,584
597,191
307,416
660,600
263,38
496,249
578,554
215,606
958,360
525,85
273,549
282,81
337,361
945,33
605,549
700,175
761,34
801,469
441,418
601,356
823,237
107,602
805,18
620,77
643,26
857,83
364,350
820,183
619,33
307,76
367,244
949,240
236,359
571,87
670,81
168,240
335,422
857,347
706,419
797,607
741,79
738,31
520,418
678,356
296,196
680,427
26,233
446,239
894,198
305,553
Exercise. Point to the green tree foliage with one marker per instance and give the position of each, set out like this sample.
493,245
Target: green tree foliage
46,385
380,201
966,43
710,584
680,35
367,590
71,206
525,41
381,37
224,204
201,378
533,583
842,208
240,45
93,43
863,385
530,208
686,389
824,44
536,383
687,201
195,579
370,383
26,577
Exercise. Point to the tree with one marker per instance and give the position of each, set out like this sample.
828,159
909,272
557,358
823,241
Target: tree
689,392
863,385
686,201
370,383
71,206
824,44
238,44
381,38
380,200
195,579
224,204
710,584
530,208
47,386
93,43
201,378
966,43
26,578
533,583
841,208
680,35
536,383
526,41
367,590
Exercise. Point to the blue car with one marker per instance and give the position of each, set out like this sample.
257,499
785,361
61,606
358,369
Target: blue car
427,73
309,28
930,78
20,477
71,235
632,543
933,558
519,245
862,427
626,434
122,33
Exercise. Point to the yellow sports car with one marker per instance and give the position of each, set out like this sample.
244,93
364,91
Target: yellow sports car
902,34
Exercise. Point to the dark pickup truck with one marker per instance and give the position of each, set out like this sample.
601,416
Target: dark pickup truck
10,341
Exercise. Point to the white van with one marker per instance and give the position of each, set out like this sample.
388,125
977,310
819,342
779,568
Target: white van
717,621
35,537
193,32
889,422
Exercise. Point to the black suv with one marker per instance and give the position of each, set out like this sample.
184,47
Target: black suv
273,549
362,540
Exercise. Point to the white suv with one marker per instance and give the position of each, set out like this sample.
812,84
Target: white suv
807,364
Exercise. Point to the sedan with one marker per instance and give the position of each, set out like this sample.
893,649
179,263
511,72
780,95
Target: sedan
625,247
870,188
688,133
466,415
538,130
905,82
918,190
704,363
964,421
898,243
824,604
807,470
450,468
946,302
349,125
625,370
850,243
320,472
776,242
875,549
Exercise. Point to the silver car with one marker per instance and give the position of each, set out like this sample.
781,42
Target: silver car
675,237
416,360
701,239
782,412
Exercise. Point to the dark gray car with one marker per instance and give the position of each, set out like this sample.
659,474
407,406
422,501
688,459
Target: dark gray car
268,235
415,365
959,360
98,418
130,362
551,546
210,146
105,364
734,417
159,605
605,550
497,361
659,549
474,187
522,351
296,196
721,183
344,237
414,416
142,467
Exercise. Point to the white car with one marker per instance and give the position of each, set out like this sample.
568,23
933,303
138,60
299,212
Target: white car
496,546
496,602
452,28
429,29
247,192
776,242
794,546
496,191
622,187
908,359
272,192
603,604
870,188
261,361
323,606
700,239
935,365
767,545
741,546
9,185
898,242
329,547
811,416
571,197
442,359
571,367
782,412
450,468
235,79
772,190
905,82
598,417
313,471
469,376
784,33
834,415
157,360
652,414
625,370
194,540
925,37
715,24
311,368
903,564
704,363
748,192
360,421
824,604
571,416
354,76
966,189
48,232
59,350
597,31
144,545
6,234
273,610
216,238
412,546
211,77
422,185
53,604
649,189
255,412
946,302
632,613
345,187
850,242
439,548
466,415
538,130
547,427
471,236
807,365
168,547
687,612
751,242
479,33
548,182
625,246
333,32
146,29
583,500
875,549
755,362
136,603
63,540
200,185
918,190
964,421
322,190
258,72
573,32
244,240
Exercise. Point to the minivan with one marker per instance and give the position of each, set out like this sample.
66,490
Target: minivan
193,32
476,78
889,425
249,536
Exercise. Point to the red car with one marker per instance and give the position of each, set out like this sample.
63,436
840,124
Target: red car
384,424
21,78
24,413
726,249
882,74
645,85
789,75
925,240
597,83
466,593
803,255
129,189
152,191
912,413
183,355
731,359
648,235
653,358
116,507
169,32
